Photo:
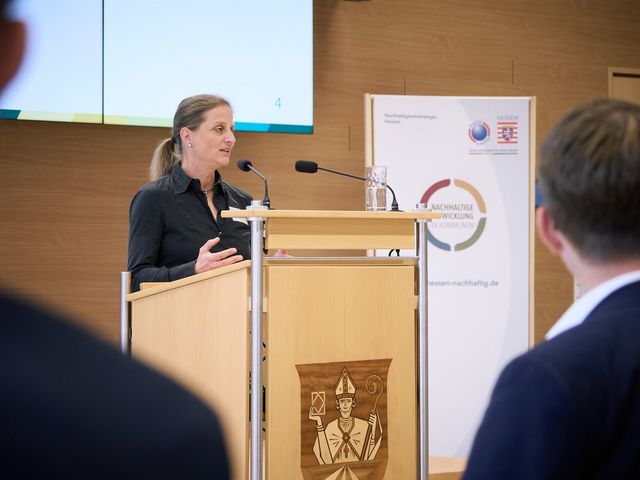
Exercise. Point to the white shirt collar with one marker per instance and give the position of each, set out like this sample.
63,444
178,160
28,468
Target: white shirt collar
581,308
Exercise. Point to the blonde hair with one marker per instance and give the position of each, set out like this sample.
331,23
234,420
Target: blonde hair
189,114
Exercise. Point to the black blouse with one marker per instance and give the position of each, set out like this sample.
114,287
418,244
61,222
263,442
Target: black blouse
169,220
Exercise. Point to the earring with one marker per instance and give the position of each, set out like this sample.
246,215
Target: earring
190,145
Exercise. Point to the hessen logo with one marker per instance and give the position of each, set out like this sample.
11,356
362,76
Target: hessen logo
507,132
464,214
479,132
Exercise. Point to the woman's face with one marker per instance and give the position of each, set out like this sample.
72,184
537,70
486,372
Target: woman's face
213,140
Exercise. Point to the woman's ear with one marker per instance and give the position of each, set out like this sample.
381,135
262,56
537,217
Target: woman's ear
185,136
12,44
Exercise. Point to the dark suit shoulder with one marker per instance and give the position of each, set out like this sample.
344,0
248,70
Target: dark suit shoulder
70,401
579,391
622,305
607,339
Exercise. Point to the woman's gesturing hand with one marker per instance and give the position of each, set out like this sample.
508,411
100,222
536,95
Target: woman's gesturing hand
208,261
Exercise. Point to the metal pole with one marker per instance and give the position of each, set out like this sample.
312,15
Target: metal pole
257,225
125,287
423,346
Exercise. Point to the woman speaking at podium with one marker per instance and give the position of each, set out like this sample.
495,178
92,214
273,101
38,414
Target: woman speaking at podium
175,227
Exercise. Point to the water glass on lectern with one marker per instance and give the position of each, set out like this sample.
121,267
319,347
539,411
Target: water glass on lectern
375,188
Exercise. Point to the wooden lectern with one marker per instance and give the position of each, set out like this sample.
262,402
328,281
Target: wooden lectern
340,347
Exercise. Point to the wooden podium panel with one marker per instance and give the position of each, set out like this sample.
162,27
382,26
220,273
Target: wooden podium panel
196,330
339,233
336,230
351,310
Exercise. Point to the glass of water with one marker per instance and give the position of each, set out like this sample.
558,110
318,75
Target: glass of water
375,188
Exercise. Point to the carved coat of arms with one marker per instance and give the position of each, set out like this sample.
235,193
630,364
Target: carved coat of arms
344,420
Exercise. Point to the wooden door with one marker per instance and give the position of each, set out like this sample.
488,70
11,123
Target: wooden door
624,83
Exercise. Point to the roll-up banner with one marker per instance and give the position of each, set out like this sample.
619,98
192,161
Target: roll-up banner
472,159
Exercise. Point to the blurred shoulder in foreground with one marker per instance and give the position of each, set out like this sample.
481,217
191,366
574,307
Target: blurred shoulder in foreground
72,406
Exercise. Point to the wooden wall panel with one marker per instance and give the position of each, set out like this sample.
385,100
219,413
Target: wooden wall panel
65,188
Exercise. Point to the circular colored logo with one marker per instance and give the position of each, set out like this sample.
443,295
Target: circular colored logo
463,214
479,132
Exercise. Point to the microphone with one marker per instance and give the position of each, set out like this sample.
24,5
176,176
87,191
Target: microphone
246,166
307,166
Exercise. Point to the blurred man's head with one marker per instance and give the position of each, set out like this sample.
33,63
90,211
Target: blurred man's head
12,41
589,175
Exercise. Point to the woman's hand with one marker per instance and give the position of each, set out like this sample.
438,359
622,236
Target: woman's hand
208,261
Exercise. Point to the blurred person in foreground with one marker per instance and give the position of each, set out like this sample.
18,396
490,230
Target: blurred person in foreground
570,407
73,407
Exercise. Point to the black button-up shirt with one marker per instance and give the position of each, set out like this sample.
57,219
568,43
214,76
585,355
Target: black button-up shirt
169,220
